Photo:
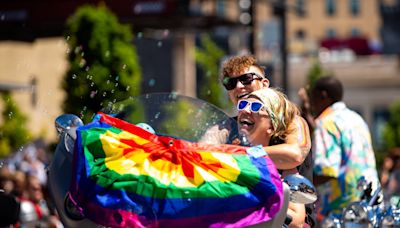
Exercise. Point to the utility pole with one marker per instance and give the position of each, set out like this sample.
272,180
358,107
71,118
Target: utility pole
280,12
247,18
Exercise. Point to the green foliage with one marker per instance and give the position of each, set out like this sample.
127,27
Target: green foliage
208,57
13,131
314,74
391,130
103,66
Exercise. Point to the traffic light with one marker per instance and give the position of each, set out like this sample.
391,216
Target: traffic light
246,12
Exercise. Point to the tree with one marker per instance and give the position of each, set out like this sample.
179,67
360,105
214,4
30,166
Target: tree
391,130
13,131
103,66
208,56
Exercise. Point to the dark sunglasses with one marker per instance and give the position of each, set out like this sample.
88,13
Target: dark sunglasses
255,106
246,79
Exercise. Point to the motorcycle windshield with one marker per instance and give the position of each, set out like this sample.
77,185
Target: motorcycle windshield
174,115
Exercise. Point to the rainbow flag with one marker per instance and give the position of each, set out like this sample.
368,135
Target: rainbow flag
125,176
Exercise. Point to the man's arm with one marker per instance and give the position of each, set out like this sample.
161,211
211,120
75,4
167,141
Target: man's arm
292,153
318,180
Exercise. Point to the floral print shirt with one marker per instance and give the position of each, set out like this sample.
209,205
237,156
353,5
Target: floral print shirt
342,148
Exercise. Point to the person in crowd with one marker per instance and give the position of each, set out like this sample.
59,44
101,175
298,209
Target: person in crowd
19,182
390,176
34,209
6,183
341,146
264,116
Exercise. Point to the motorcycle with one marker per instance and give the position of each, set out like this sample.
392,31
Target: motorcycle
369,211
173,123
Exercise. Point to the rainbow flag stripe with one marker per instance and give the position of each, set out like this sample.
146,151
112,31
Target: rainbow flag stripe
125,176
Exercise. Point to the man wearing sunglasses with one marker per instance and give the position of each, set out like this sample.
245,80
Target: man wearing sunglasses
241,75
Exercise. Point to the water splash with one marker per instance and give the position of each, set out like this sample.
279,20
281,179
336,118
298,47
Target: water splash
93,94
74,76
152,82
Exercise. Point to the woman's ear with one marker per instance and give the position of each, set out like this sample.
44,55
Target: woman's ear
270,131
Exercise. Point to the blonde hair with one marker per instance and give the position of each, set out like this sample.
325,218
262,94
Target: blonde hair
281,111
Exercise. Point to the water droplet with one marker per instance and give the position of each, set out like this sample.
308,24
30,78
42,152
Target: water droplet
68,37
128,88
159,43
117,78
157,115
1,164
74,76
92,84
104,94
107,53
108,81
112,91
93,94
124,66
10,114
84,108
87,68
139,35
152,82
116,84
166,33
82,63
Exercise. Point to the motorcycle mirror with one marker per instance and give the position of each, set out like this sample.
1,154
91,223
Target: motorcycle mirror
67,121
301,189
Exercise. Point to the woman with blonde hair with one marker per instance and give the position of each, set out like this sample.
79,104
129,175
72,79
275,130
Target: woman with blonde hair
264,116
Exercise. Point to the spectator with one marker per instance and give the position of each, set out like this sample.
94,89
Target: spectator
390,176
34,208
342,148
6,183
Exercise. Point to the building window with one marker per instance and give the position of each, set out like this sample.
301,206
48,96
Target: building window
381,116
220,8
354,6
300,8
330,33
355,32
330,7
